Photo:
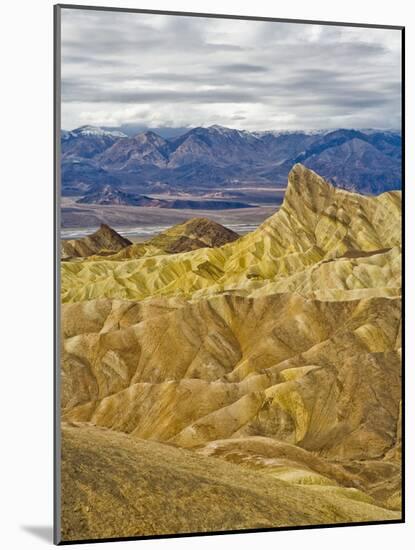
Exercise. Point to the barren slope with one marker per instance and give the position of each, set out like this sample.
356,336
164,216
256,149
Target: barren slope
153,489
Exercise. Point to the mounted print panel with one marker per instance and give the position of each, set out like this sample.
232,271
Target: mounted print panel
228,310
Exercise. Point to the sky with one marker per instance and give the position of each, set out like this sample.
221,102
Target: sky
162,71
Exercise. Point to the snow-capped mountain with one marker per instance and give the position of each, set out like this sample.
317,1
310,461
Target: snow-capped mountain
217,156
95,131
87,141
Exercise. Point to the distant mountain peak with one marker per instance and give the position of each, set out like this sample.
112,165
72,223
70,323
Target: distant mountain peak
88,130
224,130
151,137
109,194
220,128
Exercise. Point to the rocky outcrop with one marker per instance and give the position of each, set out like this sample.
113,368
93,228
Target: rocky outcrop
104,241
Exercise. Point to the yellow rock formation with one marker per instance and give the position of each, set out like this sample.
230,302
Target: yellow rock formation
323,242
270,364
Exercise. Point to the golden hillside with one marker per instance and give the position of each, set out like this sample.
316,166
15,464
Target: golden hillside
273,361
324,376
158,489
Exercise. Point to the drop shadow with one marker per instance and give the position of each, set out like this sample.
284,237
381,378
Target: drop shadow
43,532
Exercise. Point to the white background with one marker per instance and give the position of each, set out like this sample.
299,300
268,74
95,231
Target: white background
26,268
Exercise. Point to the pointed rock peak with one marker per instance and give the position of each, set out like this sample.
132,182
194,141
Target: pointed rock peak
200,221
204,230
218,127
201,224
222,129
304,177
105,227
307,189
104,238
151,136
88,127
110,233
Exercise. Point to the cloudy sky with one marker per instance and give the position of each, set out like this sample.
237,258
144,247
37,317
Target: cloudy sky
174,71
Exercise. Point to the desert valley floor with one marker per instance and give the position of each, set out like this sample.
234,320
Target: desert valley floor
215,382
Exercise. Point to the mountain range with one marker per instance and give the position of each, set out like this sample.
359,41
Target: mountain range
205,158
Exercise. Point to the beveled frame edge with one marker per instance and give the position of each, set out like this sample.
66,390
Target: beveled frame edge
56,273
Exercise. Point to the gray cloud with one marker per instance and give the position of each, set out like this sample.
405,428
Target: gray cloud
242,68
153,70
101,95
